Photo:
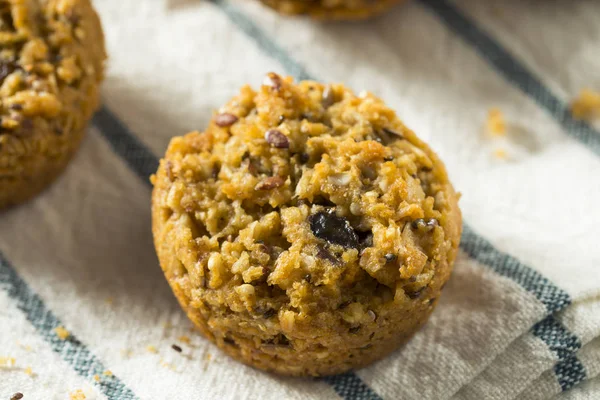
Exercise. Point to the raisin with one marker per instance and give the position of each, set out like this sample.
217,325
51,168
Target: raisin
333,229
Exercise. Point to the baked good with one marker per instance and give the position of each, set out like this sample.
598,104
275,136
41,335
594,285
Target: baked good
51,64
332,9
307,231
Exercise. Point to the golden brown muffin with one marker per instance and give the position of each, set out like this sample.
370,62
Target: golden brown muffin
307,231
51,64
332,9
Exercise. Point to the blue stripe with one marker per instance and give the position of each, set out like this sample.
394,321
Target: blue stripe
480,249
350,386
72,350
514,71
137,156
262,40
569,370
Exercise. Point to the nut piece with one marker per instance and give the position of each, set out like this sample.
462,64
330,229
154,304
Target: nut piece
225,119
270,183
277,139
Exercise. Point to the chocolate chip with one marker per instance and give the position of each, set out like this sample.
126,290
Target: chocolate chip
270,183
328,97
176,348
269,313
273,80
388,158
277,139
308,278
225,119
333,229
324,254
16,396
390,257
16,107
354,329
426,169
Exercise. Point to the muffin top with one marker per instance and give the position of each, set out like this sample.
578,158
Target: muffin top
305,198
51,61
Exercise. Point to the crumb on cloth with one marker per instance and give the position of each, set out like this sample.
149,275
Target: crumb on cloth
587,105
500,154
7,362
496,124
77,395
62,333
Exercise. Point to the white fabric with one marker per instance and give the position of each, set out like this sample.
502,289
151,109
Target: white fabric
528,357
85,245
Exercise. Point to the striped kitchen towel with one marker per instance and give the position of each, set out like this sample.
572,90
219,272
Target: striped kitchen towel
85,311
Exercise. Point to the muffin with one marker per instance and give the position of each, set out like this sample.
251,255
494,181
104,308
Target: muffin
332,9
307,231
51,64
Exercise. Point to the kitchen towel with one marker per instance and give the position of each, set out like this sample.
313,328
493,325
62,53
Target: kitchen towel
80,257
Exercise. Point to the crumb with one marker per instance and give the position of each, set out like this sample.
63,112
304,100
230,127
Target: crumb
495,122
97,378
77,395
208,356
500,154
62,333
16,396
165,364
108,372
152,349
176,348
7,362
29,371
586,105
184,339
24,346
